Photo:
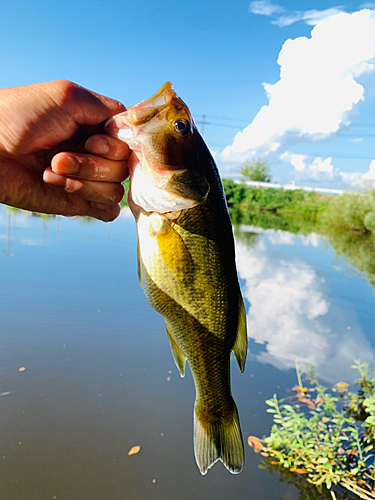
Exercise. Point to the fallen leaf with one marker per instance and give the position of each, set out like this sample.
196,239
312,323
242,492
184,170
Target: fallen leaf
340,385
255,443
304,400
299,471
22,369
134,450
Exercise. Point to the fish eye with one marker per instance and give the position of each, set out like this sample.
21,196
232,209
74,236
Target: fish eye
182,126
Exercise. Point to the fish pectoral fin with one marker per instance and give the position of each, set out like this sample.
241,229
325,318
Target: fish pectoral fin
178,356
174,251
218,439
240,345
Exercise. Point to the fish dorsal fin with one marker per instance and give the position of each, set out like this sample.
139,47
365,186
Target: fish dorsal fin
178,356
240,345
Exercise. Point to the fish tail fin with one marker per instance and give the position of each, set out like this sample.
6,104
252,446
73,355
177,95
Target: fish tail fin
218,439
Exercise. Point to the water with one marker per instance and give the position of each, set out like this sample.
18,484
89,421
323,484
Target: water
99,377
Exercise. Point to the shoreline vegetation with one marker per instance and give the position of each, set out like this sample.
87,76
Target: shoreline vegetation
354,210
324,438
346,222
297,210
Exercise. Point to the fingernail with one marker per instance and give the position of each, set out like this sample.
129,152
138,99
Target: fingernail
97,145
51,178
66,165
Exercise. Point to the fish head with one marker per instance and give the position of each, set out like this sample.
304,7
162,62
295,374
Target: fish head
165,167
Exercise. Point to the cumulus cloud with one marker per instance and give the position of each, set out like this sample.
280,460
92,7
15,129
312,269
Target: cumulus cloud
291,316
320,169
370,175
317,89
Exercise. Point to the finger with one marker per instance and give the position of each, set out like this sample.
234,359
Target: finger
101,211
89,167
108,193
108,147
84,106
21,187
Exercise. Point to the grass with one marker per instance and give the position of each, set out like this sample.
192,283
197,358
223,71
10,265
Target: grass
325,437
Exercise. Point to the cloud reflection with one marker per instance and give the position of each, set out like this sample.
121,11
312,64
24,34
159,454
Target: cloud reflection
291,315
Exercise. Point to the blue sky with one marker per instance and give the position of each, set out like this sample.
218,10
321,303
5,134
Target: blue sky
219,55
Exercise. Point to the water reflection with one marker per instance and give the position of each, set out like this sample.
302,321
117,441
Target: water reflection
96,383
290,313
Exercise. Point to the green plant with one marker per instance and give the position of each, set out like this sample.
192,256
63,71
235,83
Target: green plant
256,170
328,439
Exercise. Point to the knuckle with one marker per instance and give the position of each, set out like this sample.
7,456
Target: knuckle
66,88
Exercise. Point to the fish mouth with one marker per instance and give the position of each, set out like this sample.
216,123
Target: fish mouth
121,125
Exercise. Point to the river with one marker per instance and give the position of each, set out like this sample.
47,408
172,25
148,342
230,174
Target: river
86,371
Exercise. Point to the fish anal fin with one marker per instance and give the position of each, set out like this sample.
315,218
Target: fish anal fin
178,356
240,345
219,439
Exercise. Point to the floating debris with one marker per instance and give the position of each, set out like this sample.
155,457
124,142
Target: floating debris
5,393
22,369
134,450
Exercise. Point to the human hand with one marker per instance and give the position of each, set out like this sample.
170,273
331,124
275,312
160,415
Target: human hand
42,132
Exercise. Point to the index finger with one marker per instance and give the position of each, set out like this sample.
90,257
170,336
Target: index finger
108,147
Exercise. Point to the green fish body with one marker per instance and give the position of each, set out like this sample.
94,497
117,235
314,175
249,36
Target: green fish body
187,266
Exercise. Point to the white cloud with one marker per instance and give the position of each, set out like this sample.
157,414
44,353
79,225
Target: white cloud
356,140
264,8
298,161
318,169
291,317
370,175
286,18
310,17
317,89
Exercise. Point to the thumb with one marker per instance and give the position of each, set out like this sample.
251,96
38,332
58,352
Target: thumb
84,106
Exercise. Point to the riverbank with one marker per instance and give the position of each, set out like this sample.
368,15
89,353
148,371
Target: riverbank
353,210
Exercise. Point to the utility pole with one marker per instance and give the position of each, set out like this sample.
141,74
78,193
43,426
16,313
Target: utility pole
202,125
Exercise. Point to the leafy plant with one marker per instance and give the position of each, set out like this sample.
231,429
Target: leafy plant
256,170
324,437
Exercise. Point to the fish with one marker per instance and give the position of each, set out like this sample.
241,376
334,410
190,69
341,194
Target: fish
186,262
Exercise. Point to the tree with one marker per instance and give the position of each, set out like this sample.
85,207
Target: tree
257,170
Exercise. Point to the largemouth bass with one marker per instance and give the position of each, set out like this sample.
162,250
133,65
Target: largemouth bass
186,262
